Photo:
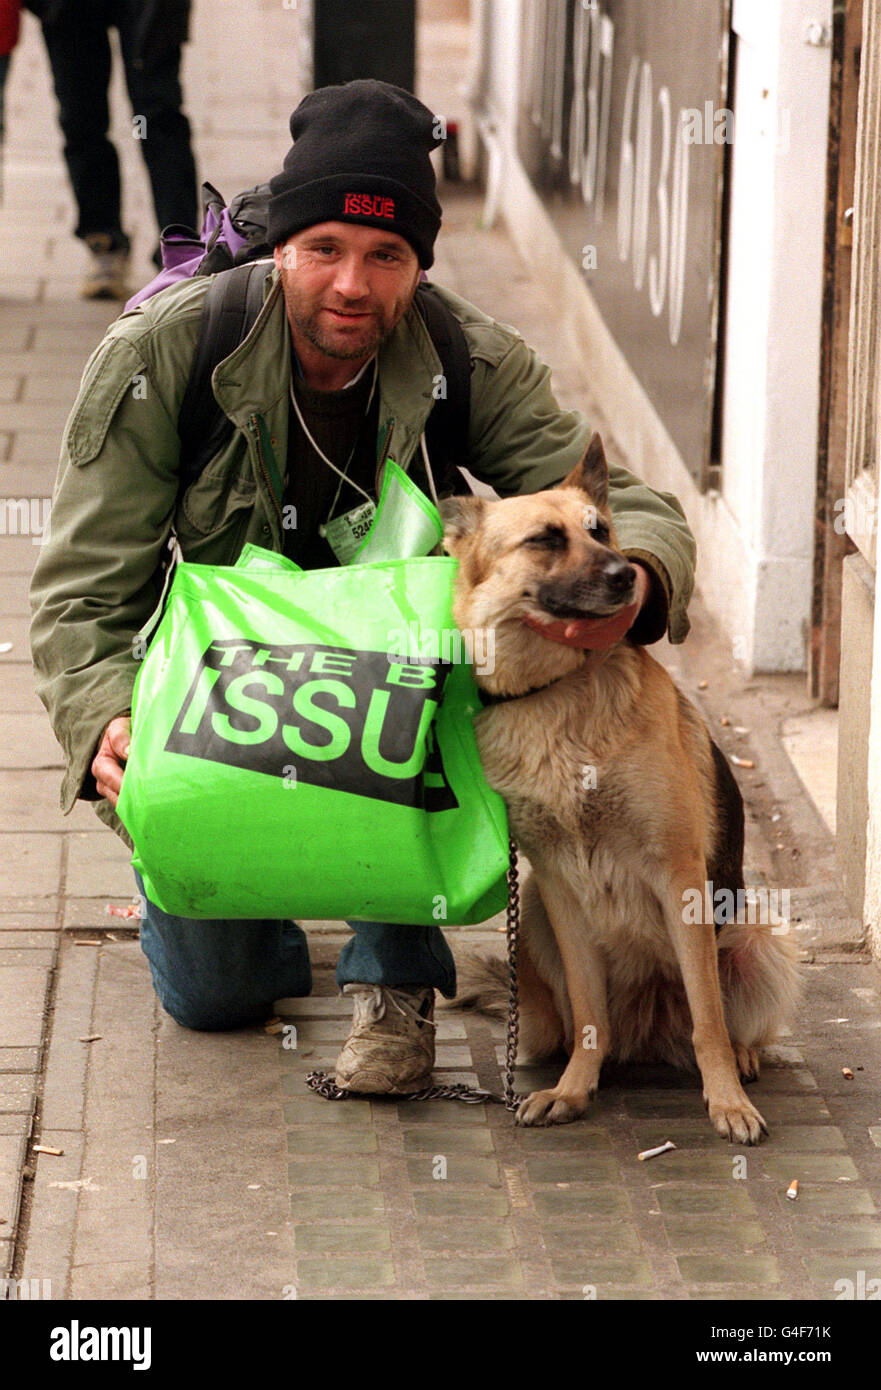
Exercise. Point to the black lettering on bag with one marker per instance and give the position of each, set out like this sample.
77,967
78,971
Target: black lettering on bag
353,721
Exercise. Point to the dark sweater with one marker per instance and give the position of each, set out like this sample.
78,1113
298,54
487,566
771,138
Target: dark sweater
336,421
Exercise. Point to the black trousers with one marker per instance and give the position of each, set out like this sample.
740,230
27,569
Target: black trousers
151,33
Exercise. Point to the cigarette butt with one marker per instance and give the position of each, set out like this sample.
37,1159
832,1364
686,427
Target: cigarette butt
846,1072
45,1149
741,762
792,1190
82,941
277,1027
653,1153
92,1037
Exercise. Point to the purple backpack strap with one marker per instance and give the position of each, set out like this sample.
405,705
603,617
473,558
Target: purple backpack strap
217,247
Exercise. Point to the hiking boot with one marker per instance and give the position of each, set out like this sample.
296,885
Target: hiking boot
390,1050
106,277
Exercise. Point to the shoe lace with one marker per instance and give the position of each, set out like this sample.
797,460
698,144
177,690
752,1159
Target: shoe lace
375,999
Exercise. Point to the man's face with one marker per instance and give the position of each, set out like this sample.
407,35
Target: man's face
346,286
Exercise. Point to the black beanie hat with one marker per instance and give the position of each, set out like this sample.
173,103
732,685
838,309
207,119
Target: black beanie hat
360,154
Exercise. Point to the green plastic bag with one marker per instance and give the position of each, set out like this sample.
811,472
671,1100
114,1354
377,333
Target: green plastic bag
303,746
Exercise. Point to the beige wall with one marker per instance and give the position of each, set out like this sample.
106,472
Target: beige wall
859,788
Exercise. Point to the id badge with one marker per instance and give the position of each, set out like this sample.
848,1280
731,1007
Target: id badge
345,533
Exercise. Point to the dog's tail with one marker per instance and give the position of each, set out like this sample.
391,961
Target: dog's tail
760,978
482,985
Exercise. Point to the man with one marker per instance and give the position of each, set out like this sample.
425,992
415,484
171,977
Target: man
151,34
339,368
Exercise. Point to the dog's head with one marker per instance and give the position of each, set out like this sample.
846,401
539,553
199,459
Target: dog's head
533,561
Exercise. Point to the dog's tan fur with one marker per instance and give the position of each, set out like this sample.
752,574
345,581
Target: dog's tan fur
606,957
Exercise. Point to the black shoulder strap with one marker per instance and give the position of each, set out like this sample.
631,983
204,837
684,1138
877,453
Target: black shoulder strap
446,432
230,310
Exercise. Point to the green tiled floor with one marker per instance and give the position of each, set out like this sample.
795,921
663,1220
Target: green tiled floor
442,1200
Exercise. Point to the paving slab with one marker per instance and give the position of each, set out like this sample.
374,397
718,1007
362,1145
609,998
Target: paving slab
27,739
23,996
99,865
30,799
17,691
64,1091
91,914
12,1153
20,1059
28,920
56,1188
29,864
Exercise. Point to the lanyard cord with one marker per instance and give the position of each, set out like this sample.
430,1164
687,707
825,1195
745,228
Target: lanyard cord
322,455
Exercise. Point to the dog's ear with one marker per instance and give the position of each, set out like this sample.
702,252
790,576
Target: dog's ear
592,473
461,516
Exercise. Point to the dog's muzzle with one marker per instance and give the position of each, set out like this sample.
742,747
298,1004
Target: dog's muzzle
597,595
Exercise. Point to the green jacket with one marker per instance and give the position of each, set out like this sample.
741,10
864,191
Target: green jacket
99,577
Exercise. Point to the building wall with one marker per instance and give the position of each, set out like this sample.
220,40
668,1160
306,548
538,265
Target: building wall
855,713
872,898
755,536
859,781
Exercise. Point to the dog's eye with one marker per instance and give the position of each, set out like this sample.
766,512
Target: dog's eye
551,538
599,530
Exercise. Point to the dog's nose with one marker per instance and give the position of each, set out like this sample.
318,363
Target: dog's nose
619,575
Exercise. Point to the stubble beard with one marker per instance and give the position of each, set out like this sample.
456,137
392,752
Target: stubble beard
305,317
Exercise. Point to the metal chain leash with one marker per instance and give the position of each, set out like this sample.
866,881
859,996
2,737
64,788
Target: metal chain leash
324,1085
512,937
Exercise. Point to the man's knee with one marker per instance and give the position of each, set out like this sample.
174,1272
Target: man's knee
213,1014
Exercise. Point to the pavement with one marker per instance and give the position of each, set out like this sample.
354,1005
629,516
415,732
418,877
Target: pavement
198,1166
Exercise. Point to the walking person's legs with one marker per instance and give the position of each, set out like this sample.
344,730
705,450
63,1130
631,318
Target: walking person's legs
78,47
151,36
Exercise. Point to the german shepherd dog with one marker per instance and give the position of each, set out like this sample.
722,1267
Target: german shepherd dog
626,810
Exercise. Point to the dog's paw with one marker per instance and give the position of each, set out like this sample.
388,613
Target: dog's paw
550,1108
736,1119
747,1060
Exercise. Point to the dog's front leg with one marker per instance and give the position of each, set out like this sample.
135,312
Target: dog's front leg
584,983
732,1113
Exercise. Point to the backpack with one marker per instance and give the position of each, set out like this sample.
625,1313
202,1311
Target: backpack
231,246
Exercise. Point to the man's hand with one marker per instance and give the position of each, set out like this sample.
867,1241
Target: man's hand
108,764
595,634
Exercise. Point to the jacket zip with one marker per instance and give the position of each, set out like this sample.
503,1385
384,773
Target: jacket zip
385,453
253,426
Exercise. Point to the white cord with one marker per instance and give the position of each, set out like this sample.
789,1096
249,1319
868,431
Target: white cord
322,455
339,471
428,472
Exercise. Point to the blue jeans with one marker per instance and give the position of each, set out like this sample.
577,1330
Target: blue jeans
215,974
